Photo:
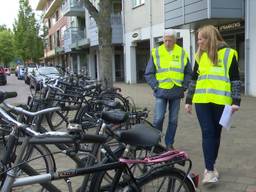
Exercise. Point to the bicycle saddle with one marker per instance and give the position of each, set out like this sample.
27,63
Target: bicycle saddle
114,116
140,135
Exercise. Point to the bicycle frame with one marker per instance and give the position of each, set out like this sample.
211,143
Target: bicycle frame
121,166
33,137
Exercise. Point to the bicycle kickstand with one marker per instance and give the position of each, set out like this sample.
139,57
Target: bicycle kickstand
69,184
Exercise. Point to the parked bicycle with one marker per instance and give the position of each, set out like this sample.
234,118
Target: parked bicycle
161,167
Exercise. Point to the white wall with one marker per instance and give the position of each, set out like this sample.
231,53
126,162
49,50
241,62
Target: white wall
150,13
250,47
145,34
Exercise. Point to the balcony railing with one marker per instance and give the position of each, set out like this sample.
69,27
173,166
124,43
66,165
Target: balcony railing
73,8
116,20
52,7
72,35
117,30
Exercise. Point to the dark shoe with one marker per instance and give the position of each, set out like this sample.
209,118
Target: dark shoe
169,147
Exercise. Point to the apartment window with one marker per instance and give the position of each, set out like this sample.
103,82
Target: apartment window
49,23
62,32
57,15
53,20
117,8
136,3
58,38
50,41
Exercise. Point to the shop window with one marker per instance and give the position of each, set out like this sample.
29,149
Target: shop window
119,67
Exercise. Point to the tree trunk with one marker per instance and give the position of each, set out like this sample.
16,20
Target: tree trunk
105,52
105,43
103,21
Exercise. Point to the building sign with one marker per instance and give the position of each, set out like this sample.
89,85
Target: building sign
134,35
231,26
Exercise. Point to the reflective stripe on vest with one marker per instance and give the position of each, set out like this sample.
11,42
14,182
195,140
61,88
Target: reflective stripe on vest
214,86
172,75
213,91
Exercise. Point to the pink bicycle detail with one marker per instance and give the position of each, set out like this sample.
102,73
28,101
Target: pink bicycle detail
167,156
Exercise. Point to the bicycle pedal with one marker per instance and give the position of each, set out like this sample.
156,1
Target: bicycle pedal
126,177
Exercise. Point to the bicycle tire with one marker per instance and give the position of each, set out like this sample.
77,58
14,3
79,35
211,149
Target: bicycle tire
176,178
35,167
123,102
56,119
138,169
173,174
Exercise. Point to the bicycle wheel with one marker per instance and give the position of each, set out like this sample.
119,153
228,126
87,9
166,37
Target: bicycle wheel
38,161
104,180
123,102
56,119
166,179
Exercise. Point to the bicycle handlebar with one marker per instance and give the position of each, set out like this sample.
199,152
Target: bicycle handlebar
29,113
7,95
9,118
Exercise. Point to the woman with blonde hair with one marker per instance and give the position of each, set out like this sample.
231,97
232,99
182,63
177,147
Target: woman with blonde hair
215,83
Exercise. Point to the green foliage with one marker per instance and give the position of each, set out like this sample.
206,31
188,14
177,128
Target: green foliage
3,28
27,43
6,46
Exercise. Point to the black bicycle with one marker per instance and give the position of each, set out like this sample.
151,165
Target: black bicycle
161,174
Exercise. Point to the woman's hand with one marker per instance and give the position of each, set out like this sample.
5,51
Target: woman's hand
235,108
188,108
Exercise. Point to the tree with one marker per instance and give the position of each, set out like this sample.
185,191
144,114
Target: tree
3,28
28,45
102,18
6,47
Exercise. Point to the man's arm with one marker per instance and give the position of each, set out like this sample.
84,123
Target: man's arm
150,74
187,74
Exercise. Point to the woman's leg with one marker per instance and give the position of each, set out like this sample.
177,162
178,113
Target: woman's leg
204,114
217,112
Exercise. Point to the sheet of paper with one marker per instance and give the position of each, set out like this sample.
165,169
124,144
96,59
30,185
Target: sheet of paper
226,117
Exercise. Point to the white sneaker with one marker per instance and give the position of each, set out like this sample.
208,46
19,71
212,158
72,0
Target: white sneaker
210,177
216,173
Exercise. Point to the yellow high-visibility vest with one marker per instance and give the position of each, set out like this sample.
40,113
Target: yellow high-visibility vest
169,67
213,83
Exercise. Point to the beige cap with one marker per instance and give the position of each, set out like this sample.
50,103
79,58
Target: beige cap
170,32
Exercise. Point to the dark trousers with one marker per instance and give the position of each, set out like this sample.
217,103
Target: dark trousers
209,115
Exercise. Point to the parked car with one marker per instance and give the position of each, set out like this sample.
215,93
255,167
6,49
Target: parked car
21,72
16,70
41,74
28,72
3,79
7,71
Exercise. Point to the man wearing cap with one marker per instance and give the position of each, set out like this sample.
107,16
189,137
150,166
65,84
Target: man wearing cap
168,73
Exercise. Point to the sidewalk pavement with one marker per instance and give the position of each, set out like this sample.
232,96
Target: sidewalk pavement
237,158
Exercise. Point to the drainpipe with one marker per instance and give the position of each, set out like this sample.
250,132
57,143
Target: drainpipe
124,39
150,25
247,46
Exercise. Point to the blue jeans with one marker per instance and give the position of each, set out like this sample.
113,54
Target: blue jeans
160,109
208,115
